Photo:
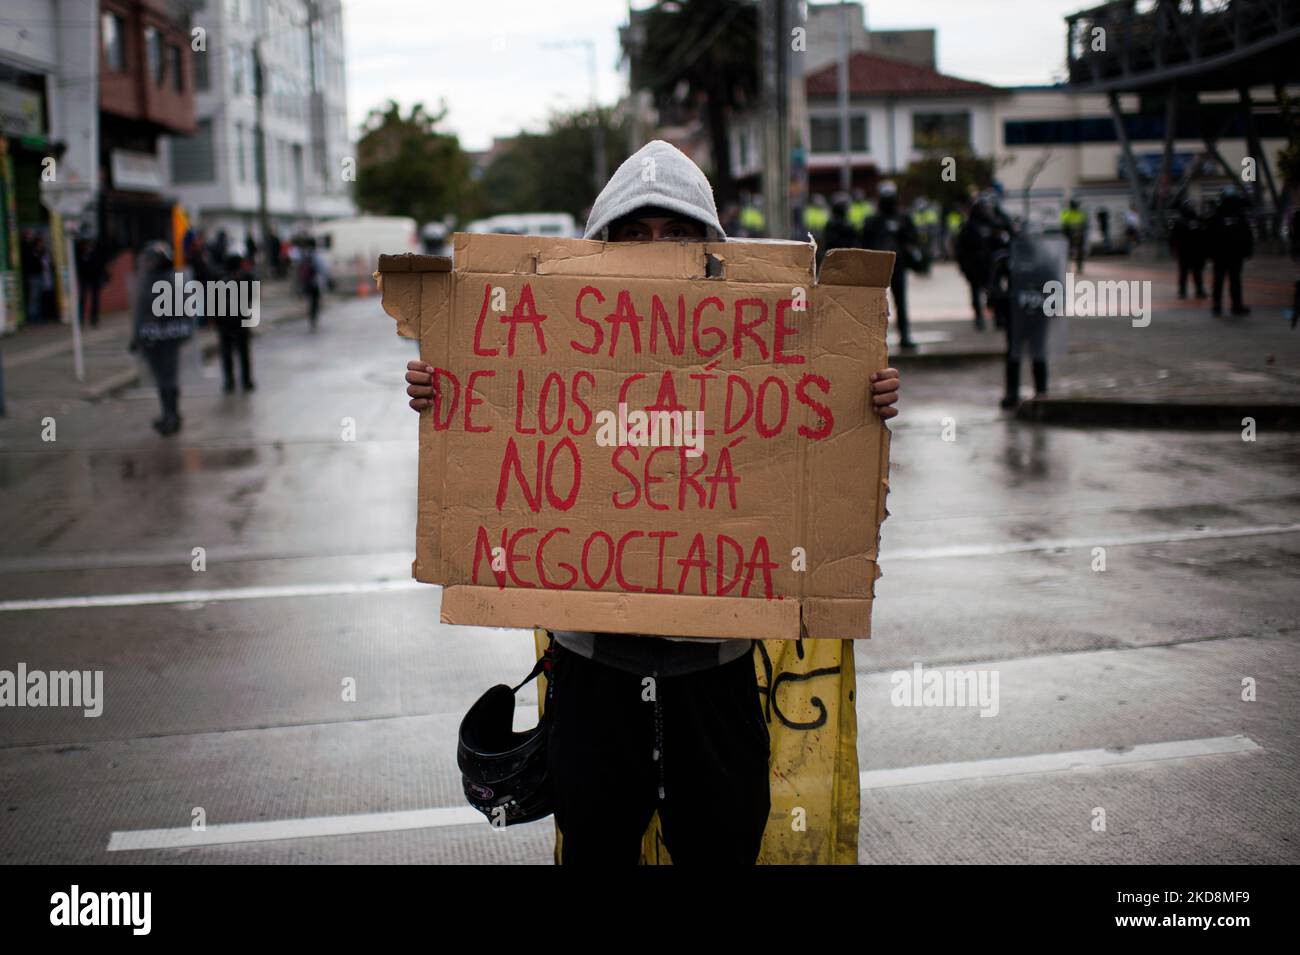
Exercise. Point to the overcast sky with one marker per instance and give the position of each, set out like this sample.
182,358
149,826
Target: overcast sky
493,61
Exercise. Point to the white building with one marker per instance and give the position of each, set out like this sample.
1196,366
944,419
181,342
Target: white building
215,172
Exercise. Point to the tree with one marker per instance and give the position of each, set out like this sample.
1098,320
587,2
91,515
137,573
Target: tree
945,174
407,167
701,53
551,171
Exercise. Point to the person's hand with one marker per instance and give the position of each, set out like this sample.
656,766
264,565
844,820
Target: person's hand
884,392
420,386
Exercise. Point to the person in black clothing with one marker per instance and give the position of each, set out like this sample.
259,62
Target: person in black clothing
840,233
160,336
1230,242
890,230
984,235
233,334
1187,240
92,273
697,750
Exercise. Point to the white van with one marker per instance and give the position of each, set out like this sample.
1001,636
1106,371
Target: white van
352,246
527,223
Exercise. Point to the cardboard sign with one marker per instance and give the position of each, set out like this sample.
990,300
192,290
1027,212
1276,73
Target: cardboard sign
668,438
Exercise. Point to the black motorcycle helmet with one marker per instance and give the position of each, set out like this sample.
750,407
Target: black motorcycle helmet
503,772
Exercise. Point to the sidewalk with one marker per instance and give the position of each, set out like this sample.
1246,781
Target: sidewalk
1185,369
38,359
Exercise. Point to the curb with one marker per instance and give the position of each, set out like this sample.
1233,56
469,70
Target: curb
1129,414
922,357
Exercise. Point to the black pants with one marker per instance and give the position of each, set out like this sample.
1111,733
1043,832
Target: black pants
234,339
164,363
898,283
313,304
90,304
605,777
1231,270
1194,267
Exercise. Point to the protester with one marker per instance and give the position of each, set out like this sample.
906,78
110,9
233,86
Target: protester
891,230
699,754
1187,242
1230,242
234,336
160,337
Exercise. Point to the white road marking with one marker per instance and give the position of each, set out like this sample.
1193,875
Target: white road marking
886,555
1054,762
209,596
1070,543
220,835
269,831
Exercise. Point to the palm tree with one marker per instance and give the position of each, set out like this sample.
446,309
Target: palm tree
700,53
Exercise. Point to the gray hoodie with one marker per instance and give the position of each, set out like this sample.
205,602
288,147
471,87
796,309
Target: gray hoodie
659,175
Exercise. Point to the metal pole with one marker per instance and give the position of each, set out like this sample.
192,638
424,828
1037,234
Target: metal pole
259,92
598,135
842,87
1144,213
775,158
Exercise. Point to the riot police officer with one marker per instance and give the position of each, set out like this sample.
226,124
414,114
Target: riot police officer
892,230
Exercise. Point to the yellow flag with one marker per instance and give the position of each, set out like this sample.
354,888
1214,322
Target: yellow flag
807,690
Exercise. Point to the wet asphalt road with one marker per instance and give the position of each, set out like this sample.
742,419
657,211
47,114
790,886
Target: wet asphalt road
229,701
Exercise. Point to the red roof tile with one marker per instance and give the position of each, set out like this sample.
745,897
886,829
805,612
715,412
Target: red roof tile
871,74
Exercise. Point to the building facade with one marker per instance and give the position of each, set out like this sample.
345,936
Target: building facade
306,160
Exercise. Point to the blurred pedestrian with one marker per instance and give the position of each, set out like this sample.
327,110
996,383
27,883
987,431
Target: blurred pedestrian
313,274
1187,242
1132,228
891,230
159,333
1074,226
234,336
1230,242
38,275
1103,226
92,274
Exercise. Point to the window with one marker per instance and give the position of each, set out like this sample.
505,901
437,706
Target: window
236,57
193,157
174,66
153,54
931,130
114,42
239,152
201,78
825,132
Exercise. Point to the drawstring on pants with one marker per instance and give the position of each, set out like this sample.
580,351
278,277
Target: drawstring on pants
659,735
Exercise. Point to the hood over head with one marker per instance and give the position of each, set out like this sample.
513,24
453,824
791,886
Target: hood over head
658,175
